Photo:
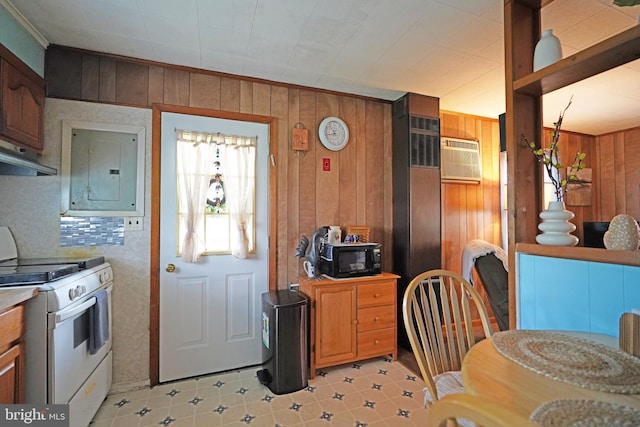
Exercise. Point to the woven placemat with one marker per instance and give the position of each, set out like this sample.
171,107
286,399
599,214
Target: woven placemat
571,359
585,413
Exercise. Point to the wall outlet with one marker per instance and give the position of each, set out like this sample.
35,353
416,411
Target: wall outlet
294,286
133,223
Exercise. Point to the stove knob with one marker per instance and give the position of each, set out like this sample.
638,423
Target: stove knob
72,294
104,277
84,290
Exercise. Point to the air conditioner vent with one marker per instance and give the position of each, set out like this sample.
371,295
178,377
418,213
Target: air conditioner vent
460,160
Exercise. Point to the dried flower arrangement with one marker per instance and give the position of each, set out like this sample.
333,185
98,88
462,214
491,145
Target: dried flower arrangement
550,159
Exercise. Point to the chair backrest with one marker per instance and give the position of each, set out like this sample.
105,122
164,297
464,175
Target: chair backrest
495,281
481,411
439,322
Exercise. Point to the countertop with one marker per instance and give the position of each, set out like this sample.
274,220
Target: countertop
11,297
607,256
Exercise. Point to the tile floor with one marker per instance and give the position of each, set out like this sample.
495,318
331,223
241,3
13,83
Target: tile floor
372,393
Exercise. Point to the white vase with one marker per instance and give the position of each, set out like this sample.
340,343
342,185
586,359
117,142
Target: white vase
555,226
548,50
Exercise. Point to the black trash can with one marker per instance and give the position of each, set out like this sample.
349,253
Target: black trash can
284,341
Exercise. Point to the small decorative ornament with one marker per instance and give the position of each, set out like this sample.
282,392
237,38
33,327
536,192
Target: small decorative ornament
623,233
555,226
547,51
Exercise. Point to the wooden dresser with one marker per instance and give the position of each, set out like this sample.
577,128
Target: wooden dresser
351,319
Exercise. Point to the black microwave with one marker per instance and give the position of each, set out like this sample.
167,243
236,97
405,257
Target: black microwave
351,260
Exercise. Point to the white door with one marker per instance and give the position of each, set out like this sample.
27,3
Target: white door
210,311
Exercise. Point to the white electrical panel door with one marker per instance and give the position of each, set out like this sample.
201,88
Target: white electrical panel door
103,171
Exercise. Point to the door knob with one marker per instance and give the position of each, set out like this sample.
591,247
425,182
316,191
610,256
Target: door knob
170,268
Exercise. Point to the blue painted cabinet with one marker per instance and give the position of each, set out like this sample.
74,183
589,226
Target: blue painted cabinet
566,294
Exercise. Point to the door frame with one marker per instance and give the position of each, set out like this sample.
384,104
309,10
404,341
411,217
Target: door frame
156,145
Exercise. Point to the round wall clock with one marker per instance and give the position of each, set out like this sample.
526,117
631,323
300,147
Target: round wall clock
334,133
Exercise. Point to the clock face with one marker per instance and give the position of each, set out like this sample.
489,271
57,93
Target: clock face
333,133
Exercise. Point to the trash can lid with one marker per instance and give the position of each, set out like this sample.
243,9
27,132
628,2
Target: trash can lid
284,298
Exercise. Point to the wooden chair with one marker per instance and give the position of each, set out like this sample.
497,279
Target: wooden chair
437,314
455,409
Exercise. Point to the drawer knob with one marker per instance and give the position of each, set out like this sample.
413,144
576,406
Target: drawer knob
376,295
375,319
376,342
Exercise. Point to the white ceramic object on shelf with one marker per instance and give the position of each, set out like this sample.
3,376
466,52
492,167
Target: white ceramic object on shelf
555,226
548,50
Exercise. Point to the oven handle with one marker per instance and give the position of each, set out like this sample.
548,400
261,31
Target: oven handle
66,315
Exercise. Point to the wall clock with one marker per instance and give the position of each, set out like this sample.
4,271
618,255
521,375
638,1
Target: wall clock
334,133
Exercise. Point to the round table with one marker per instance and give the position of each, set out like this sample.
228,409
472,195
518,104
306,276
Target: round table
487,373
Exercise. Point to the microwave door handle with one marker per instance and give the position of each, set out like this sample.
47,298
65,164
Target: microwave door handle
65,315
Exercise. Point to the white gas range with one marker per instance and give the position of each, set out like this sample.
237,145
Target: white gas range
68,328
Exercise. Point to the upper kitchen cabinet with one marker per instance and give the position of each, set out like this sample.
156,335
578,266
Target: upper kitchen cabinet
21,103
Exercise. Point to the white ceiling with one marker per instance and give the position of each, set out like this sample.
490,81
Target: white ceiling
451,49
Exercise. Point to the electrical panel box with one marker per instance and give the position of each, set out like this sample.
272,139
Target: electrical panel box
103,173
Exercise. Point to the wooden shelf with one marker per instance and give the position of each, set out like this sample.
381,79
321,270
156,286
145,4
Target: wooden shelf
607,256
606,55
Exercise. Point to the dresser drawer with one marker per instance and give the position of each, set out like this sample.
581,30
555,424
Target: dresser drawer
373,294
373,318
11,326
376,343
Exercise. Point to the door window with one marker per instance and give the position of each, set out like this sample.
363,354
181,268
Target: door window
216,192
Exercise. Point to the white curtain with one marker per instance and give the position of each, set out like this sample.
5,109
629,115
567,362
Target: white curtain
239,162
195,157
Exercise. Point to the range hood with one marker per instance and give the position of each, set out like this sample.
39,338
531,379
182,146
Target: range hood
18,161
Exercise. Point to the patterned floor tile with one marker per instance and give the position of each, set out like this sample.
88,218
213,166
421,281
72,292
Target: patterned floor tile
371,393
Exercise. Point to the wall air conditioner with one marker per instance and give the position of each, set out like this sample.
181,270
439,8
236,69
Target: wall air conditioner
460,161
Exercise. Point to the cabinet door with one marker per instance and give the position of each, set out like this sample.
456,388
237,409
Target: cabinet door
22,108
12,375
336,312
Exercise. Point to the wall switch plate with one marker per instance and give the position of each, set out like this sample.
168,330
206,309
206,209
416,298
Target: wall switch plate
133,223
326,164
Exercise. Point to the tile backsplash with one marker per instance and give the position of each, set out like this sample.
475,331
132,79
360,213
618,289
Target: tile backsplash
91,231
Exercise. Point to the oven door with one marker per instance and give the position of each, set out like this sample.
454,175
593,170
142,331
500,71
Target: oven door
70,363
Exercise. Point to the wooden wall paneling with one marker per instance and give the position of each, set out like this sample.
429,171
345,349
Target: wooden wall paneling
107,90
620,175
607,193
348,178
280,110
632,172
176,87
360,132
290,217
387,204
90,77
204,91
63,71
262,99
374,173
328,194
306,210
156,85
229,94
132,83
568,149
246,96
593,153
